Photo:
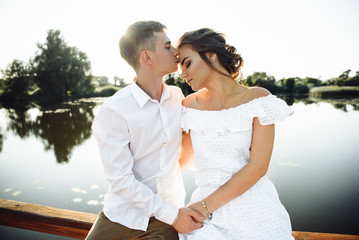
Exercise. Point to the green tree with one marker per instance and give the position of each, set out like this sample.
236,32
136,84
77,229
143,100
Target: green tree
175,79
120,82
261,79
16,82
102,81
289,85
312,82
354,81
342,79
60,71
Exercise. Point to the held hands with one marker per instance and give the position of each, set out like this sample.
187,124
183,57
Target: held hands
202,209
188,220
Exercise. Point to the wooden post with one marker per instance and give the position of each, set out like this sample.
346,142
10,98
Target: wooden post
77,224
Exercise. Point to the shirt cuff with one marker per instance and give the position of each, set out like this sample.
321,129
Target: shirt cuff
167,214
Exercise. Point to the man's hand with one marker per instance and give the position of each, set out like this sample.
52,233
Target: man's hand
188,220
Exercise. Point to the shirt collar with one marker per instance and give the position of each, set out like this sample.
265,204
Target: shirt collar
142,97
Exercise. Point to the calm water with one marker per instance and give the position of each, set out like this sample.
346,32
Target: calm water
49,157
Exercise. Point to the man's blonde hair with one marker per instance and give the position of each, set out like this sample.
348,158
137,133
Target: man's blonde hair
138,37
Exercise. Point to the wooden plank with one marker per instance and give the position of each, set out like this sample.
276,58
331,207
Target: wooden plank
322,236
77,224
45,219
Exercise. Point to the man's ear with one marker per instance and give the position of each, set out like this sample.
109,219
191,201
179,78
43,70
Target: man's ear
145,57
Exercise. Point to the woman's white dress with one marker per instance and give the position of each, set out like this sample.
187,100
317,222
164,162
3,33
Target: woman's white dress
221,142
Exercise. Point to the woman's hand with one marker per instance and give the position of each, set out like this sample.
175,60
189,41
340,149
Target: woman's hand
197,206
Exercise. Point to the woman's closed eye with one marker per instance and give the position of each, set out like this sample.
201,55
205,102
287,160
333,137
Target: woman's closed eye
188,63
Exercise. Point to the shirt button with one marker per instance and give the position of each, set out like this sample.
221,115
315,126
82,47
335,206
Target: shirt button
162,166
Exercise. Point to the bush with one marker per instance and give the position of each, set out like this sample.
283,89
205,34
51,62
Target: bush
105,91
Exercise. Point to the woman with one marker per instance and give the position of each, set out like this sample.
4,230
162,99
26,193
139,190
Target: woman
231,129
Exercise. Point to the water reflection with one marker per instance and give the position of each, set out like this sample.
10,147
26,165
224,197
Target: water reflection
60,129
63,127
1,139
341,104
19,122
314,163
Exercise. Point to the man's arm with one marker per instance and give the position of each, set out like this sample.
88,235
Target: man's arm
113,138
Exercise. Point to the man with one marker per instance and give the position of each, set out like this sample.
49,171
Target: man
139,135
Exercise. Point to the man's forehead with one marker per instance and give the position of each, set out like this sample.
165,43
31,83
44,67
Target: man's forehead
162,37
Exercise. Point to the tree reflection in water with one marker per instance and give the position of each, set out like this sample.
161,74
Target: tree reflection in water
341,104
63,127
1,139
60,129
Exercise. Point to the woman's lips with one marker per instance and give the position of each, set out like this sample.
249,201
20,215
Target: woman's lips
188,81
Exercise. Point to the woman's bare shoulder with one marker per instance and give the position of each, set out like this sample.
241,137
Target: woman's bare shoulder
257,92
190,100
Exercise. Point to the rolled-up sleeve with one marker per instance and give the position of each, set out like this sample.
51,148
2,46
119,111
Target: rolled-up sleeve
111,132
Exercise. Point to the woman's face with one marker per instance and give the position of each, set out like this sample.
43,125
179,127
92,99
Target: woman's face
194,70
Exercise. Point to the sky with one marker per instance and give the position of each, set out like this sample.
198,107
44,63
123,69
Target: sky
284,38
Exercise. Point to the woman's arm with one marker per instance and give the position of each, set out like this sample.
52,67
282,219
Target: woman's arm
186,154
261,151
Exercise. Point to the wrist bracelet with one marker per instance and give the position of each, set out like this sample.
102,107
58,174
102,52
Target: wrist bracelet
176,219
209,216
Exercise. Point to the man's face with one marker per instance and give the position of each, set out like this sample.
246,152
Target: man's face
165,57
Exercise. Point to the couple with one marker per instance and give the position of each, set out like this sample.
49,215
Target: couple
145,136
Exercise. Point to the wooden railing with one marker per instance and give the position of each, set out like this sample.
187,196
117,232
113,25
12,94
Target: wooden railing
77,224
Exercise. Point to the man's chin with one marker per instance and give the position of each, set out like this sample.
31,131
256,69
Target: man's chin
172,70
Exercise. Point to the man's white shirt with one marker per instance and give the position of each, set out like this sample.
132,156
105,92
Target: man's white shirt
139,142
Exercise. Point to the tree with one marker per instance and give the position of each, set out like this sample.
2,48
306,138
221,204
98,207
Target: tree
121,82
16,82
174,79
60,71
102,81
289,85
342,79
310,82
261,79
354,81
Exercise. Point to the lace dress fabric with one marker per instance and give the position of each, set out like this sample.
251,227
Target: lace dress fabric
221,142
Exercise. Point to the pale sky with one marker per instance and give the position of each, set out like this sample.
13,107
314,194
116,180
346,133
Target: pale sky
284,38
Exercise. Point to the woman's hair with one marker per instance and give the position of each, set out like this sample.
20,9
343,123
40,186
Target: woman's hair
138,37
205,40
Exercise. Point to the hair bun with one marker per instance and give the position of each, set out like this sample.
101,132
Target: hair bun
206,40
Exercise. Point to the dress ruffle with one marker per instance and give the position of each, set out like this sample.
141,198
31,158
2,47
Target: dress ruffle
269,110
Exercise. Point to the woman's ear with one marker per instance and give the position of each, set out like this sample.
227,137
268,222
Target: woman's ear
211,57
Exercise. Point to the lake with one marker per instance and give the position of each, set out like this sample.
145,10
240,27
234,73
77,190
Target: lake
49,157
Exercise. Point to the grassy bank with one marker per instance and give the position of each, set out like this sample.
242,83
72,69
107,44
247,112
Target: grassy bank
334,92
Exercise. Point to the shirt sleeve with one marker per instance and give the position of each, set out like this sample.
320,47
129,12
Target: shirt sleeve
113,139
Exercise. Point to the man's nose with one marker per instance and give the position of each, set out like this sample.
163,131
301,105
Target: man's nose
183,74
175,52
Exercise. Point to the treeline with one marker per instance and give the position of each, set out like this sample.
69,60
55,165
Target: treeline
296,85
291,86
57,73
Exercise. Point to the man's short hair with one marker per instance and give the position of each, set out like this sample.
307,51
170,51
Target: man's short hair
138,37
